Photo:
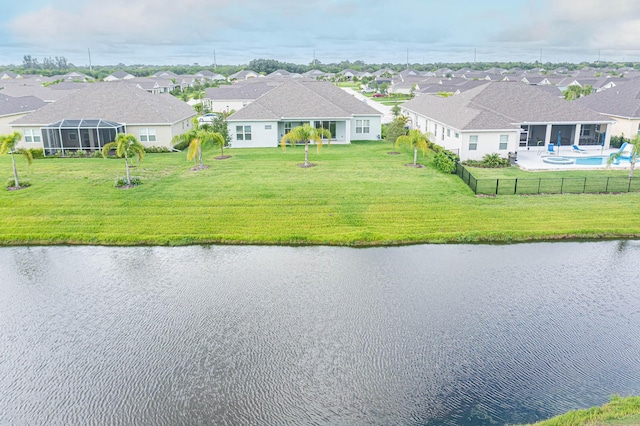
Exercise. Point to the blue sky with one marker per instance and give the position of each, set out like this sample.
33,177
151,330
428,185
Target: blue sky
188,31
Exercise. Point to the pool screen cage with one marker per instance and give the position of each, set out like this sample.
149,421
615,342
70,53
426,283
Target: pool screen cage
74,135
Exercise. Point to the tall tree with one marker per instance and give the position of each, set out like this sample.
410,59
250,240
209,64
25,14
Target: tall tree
305,134
126,146
8,145
416,140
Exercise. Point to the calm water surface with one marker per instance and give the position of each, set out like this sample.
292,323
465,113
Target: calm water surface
422,335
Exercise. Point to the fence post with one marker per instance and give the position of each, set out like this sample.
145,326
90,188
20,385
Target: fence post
561,185
606,189
515,187
584,189
497,185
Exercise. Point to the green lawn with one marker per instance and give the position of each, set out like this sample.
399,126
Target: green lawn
352,84
620,411
357,195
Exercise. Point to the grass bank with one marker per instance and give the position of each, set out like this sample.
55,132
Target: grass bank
357,195
620,411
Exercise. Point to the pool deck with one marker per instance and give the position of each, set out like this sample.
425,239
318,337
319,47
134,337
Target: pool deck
531,160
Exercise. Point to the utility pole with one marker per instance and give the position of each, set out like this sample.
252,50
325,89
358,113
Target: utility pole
407,58
598,56
89,59
540,55
215,66
475,54
314,58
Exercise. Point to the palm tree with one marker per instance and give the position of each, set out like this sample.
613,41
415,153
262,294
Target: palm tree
635,153
196,138
126,146
8,145
306,134
417,140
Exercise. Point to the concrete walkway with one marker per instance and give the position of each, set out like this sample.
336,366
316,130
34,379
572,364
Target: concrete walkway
387,116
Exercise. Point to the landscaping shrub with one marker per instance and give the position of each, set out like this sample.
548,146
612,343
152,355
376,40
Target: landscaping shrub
156,149
96,154
35,152
23,183
122,181
444,162
489,161
617,141
182,145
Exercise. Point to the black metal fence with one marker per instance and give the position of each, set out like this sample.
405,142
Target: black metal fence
528,186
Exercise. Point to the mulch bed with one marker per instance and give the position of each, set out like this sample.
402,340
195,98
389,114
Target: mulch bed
302,166
417,166
223,157
15,188
393,153
126,186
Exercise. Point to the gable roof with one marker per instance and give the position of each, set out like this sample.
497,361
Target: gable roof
119,102
501,105
304,99
621,101
244,91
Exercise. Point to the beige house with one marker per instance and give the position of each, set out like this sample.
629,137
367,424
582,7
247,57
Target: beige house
91,117
12,109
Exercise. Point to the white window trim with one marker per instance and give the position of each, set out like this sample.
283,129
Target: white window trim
363,126
148,134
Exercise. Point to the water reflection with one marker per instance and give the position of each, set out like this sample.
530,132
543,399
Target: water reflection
270,335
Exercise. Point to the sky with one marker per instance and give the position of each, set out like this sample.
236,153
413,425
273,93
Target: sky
172,32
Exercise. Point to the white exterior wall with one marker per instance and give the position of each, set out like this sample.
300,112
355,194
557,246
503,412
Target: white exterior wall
261,135
5,127
488,143
23,143
217,105
375,129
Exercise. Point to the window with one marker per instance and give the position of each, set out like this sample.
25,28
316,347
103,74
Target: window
267,126
147,135
243,133
31,135
435,129
504,142
362,126
585,131
287,127
473,142
457,135
448,132
329,125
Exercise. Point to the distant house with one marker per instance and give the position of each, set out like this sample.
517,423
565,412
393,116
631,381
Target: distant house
13,108
238,95
504,117
92,116
119,75
317,74
321,104
210,75
621,103
8,75
244,75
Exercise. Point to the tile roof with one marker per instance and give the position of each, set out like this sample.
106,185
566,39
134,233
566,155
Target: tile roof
304,99
123,103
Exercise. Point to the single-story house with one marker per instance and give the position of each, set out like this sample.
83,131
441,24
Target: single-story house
265,121
621,103
244,75
92,116
13,108
119,75
238,95
503,117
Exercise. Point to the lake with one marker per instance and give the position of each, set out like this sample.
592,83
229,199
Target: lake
416,335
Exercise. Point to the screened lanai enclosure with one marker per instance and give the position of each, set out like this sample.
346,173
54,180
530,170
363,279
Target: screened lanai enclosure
74,135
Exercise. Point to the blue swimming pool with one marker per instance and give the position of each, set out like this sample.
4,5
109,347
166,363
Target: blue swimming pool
591,161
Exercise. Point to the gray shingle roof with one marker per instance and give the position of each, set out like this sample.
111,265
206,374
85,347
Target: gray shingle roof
622,100
10,105
501,105
123,103
242,91
304,99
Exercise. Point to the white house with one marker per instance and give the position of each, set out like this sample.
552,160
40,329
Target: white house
296,102
503,117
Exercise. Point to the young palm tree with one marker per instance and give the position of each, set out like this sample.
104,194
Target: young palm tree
196,138
635,153
8,145
126,146
417,140
306,134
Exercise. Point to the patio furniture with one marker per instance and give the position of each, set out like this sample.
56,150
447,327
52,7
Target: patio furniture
551,148
576,148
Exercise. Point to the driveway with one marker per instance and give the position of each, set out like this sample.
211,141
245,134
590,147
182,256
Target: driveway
387,116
